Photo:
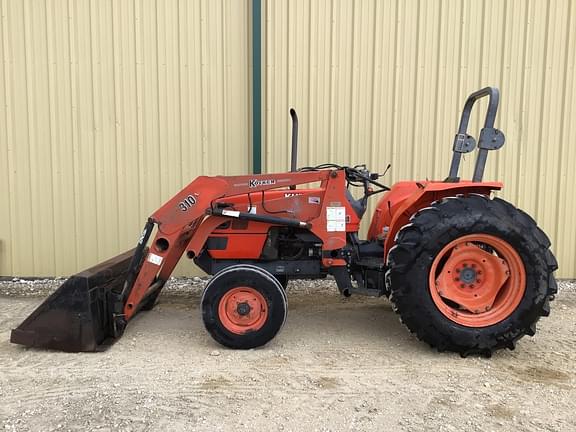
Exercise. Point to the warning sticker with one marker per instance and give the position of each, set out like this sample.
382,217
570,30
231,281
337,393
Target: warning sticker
154,259
335,219
313,200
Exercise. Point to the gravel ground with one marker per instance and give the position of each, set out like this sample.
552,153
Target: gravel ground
339,364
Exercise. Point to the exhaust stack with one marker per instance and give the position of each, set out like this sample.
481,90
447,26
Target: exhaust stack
294,156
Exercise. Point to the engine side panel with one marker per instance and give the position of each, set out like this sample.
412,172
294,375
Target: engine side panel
241,239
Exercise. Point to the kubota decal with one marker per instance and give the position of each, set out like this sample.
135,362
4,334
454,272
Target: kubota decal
188,202
257,182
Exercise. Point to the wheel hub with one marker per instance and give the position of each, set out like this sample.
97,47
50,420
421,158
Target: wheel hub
472,277
467,275
243,309
477,280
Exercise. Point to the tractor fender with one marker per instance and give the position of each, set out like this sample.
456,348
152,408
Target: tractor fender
405,198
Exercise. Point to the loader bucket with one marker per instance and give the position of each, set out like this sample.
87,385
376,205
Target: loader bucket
80,314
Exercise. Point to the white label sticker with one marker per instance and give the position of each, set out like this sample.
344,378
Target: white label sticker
154,259
334,226
252,210
335,219
231,213
313,200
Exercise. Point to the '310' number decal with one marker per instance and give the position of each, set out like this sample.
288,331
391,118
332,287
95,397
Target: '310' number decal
187,203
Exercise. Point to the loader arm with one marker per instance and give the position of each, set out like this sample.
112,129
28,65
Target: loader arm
179,222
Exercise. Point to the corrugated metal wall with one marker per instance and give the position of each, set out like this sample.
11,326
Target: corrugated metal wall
384,82
107,108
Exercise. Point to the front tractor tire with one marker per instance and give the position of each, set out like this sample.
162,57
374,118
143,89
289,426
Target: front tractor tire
471,274
243,307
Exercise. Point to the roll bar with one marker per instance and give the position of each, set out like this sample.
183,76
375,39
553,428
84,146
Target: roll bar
490,138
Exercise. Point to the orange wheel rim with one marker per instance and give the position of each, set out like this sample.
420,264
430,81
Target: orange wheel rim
243,310
477,280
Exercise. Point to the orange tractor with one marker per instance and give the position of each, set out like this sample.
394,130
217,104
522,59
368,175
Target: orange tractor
466,272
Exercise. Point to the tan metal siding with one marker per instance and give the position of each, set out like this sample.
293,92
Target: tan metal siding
107,108
384,81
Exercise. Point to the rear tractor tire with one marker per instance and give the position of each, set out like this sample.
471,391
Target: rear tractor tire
243,307
471,274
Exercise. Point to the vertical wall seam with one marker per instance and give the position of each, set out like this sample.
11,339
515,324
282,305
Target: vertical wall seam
501,75
541,105
481,51
309,144
521,107
203,99
460,49
437,88
224,55
415,96
562,143
288,47
248,81
158,137
114,97
94,126
74,130
51,143
181,162
49,80
394,86
331,87
139,108
352,76
256,87
265,79
8,128
30,118
481,60
373,87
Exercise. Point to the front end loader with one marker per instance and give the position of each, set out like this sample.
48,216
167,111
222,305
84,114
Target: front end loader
465,271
